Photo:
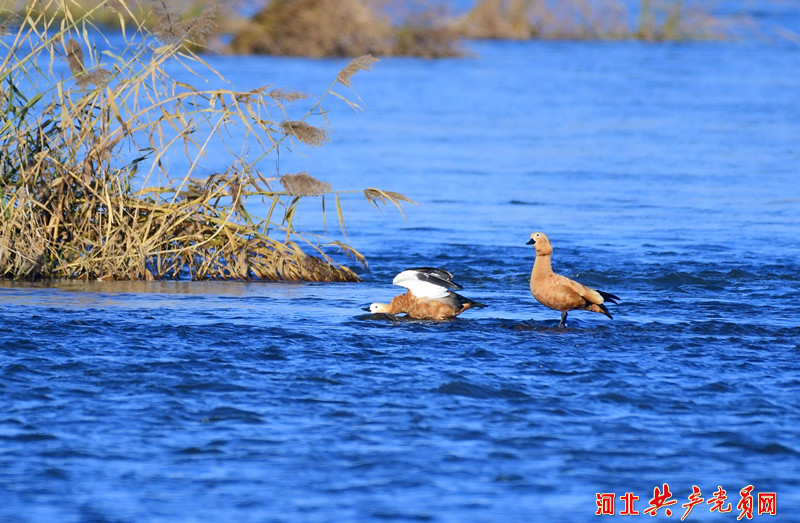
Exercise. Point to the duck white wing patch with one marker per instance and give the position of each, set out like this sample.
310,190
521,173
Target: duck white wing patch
426,282
423,289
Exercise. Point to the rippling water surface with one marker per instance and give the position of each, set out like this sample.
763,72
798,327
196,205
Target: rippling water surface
666,174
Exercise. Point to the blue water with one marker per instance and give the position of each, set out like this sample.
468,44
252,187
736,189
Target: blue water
665,174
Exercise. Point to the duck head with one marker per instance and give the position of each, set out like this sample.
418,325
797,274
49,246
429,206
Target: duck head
541,243
376,308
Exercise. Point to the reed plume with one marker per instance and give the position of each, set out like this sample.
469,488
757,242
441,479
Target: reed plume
170,29
304,132
285,95
7,22
303,184
75,60
361,63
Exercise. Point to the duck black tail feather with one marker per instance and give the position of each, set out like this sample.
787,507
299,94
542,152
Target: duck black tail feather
605,310
462,301
608,297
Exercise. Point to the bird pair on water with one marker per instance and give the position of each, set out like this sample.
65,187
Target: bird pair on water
430,293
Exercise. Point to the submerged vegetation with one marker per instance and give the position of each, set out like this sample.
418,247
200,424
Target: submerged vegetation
88,135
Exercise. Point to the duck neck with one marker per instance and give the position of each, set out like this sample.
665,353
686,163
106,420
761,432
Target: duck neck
542,265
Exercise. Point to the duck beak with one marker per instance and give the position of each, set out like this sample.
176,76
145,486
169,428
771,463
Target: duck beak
365,309
530,242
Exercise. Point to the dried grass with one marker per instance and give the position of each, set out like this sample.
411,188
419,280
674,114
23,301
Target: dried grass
86,189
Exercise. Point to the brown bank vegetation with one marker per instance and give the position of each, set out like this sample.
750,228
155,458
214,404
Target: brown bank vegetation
86,144
652,20
320,28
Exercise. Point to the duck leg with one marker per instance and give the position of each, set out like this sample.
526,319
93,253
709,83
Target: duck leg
563,320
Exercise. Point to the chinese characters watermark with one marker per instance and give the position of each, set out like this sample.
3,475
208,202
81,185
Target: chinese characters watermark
763,504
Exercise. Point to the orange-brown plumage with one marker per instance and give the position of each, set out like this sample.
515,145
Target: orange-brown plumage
428,296
428,308
559,292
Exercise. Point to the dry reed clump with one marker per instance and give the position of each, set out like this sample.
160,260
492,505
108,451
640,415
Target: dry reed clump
424,29
587,20
86,187
315,28
428,34
335,28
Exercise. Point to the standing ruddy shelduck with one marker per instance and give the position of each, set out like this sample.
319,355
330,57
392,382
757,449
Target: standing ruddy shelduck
429,296
559,292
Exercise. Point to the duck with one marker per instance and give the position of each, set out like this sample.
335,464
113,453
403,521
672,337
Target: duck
430,296
559,292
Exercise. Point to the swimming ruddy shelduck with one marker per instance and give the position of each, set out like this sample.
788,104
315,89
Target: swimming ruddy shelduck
559,292
429,296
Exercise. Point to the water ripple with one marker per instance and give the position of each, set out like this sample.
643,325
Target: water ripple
472,390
